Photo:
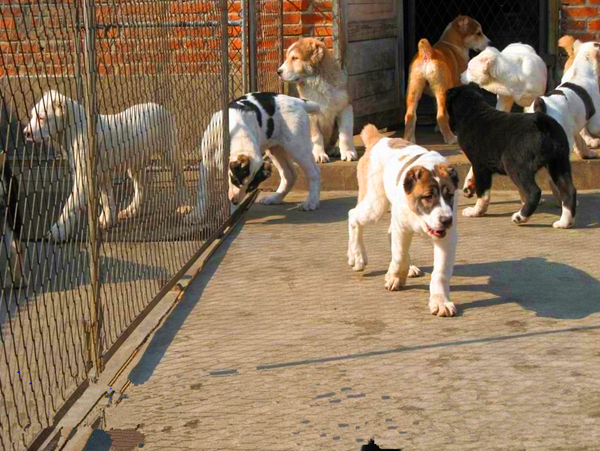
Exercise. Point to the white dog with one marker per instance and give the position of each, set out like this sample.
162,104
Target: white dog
516,75
260,122
420,188
575,103
126,142
320,79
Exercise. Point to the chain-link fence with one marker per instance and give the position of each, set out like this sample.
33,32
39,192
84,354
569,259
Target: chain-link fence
104,107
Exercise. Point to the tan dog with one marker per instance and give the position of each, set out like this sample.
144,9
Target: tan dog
419,186
320,79
436,69
570,44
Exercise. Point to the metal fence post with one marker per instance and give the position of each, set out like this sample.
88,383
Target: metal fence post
225,87
89,18
252,39
245,44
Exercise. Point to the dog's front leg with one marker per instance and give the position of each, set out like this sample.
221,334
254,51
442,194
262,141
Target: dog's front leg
504,103
400,264
109,208
590,140
444,252
287,174
316,137
67,220
346,121
483,187
469,186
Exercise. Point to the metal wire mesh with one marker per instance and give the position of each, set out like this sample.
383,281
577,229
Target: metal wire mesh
105,106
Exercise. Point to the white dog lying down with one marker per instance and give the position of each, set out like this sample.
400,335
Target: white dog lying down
420,188
259,122
575,103
516,74
126,142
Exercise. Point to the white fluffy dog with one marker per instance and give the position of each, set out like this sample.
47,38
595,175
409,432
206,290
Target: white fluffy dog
126,142
259,123
320,79
420,188
516,75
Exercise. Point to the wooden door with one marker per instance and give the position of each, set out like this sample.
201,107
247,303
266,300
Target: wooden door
372,55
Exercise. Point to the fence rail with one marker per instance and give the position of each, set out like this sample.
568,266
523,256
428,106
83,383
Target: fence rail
104,106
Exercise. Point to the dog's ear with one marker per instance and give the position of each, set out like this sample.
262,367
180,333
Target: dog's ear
576,46
463,23
318,50
412,177
240,169
453,176
263,174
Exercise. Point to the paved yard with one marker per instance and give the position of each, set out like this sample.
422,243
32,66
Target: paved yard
278,345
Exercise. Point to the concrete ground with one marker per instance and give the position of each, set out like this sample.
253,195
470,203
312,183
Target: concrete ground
278,345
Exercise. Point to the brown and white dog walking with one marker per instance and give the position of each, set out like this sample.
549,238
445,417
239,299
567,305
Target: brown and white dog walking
420,187
436,69
320,79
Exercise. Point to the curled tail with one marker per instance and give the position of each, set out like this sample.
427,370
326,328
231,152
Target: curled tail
424,48
370,136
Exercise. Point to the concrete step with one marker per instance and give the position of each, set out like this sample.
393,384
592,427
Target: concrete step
341,175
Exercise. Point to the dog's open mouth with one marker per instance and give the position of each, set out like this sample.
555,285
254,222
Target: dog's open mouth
435,233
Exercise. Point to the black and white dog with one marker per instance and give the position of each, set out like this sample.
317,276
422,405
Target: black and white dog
261,122
513,144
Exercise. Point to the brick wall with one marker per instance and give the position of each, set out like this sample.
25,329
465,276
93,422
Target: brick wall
581,18
307,18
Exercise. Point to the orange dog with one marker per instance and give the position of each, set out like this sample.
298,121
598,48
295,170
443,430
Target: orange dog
436,69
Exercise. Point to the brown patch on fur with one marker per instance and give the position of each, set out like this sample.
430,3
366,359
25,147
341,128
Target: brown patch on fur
418,184
448,181
240,169
370,136
399,143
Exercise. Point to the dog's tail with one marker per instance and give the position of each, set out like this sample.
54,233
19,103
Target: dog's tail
539,106
424,48
311,107
370,136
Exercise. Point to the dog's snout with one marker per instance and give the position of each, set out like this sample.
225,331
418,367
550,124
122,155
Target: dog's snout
446,221
28,135
279,71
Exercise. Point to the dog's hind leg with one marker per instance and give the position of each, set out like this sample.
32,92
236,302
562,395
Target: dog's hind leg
469,186
591,140
560,172
525,182
346,120
107,202
416,85
371,208
67,221
306,162
287,174
442,115
581,148
139,179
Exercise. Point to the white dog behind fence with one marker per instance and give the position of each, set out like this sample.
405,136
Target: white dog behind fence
126,142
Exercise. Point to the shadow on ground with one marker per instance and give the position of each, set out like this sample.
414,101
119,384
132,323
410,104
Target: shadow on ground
162,339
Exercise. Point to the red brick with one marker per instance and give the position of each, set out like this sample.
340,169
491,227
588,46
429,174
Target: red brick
292,18
594,25
323,5
296,5
574,25
291,30
316,18
581,11
580,2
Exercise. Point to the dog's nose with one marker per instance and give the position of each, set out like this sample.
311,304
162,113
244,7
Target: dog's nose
28,135
279,71
447,221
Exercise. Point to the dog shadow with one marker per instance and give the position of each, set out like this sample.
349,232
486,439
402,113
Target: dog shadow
550,289
330,211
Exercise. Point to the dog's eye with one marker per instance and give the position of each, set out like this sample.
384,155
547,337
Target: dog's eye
479,33
294,58
428,197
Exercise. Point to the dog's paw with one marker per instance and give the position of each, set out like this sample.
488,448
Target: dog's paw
358,261
440,306
273,199
349,155
413,271
184,209
393,282
518,219
322,158
309,205
122,215
562,224
590,155
472,212
452,139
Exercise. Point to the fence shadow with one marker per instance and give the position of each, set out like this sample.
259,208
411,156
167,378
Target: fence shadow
161,340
